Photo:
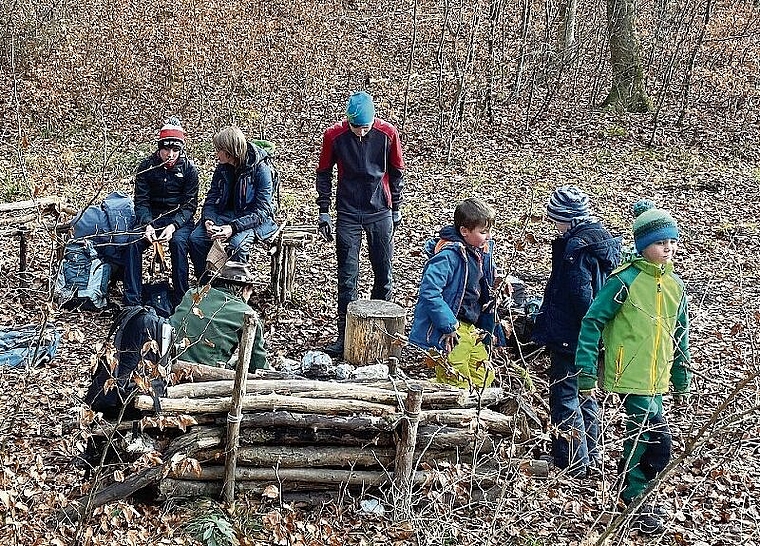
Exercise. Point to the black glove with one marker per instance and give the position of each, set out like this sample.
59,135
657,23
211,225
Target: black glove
325,226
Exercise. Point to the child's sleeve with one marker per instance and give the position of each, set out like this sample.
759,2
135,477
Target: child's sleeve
603,309
434,279
680,375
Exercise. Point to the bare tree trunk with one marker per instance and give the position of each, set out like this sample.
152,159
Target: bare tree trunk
627,91
690,68
566,34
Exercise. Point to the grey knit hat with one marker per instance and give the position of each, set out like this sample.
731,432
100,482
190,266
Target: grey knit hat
566,204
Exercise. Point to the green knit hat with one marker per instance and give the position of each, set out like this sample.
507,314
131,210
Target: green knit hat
652,225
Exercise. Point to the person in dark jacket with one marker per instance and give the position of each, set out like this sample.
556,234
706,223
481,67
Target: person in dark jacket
166,197
209,320
582,258
367,152
238,209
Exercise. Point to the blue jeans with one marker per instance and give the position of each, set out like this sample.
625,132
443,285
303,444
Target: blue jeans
131,260
348,244
576,419
238,247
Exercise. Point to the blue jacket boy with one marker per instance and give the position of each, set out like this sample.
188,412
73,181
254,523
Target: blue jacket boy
444,279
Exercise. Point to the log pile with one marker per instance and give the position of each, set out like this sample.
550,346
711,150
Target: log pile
306,435
283,263
311,435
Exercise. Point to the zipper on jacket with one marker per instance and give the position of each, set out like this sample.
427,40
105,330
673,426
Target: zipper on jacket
619,364
657,334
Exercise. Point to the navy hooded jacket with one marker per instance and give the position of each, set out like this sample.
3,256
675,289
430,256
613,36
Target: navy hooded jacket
582,259
249,191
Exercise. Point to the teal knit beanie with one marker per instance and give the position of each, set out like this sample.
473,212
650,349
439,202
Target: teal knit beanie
360,110
652,225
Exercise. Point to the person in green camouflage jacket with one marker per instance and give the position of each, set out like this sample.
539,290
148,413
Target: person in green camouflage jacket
640,315
209,319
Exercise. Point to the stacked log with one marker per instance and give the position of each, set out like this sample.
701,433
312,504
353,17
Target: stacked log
311,435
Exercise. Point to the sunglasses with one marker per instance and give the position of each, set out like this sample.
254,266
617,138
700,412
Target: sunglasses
358,126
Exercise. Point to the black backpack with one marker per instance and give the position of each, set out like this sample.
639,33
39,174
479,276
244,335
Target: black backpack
144,345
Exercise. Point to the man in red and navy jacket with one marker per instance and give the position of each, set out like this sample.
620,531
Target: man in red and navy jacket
367,151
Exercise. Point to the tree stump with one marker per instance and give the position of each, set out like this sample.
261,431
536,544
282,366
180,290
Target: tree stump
371,327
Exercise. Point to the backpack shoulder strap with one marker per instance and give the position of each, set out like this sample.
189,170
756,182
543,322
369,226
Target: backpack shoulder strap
121,321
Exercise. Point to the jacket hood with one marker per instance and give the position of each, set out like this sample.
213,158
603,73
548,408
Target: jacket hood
596,241
447,233
254,156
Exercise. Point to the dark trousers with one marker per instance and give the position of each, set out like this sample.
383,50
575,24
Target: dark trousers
575,420
348,244
647,446
131,260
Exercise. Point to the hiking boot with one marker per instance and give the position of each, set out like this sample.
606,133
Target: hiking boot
334,350
647,521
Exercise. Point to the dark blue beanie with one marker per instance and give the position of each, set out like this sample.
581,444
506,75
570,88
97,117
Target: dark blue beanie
360,110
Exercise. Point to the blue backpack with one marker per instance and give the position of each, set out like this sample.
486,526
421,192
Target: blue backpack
82,280
109,222
28,345
100,233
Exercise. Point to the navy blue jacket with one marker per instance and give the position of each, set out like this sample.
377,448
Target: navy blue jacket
581,261
444,279
165,196
252,198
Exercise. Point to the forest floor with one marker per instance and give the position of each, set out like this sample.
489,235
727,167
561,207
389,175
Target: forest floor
712,497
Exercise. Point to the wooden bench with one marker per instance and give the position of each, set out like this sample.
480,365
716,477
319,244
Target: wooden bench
20,225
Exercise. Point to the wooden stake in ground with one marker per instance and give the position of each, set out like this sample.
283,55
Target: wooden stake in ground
234,416
371,327
404,463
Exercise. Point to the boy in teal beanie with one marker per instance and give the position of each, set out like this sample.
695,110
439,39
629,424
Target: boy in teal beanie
640,315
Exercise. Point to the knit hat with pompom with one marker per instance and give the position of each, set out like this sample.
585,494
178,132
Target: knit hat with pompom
651,225
171,134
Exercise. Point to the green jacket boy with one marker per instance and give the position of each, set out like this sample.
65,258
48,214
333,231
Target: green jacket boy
640,315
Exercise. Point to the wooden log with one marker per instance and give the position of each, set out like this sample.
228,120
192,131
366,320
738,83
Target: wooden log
250,323
317,389
307,436
31,203
439,437
316,422
267,402
371,327
491,420
183,370
306,456
404,463
305,475
173,488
